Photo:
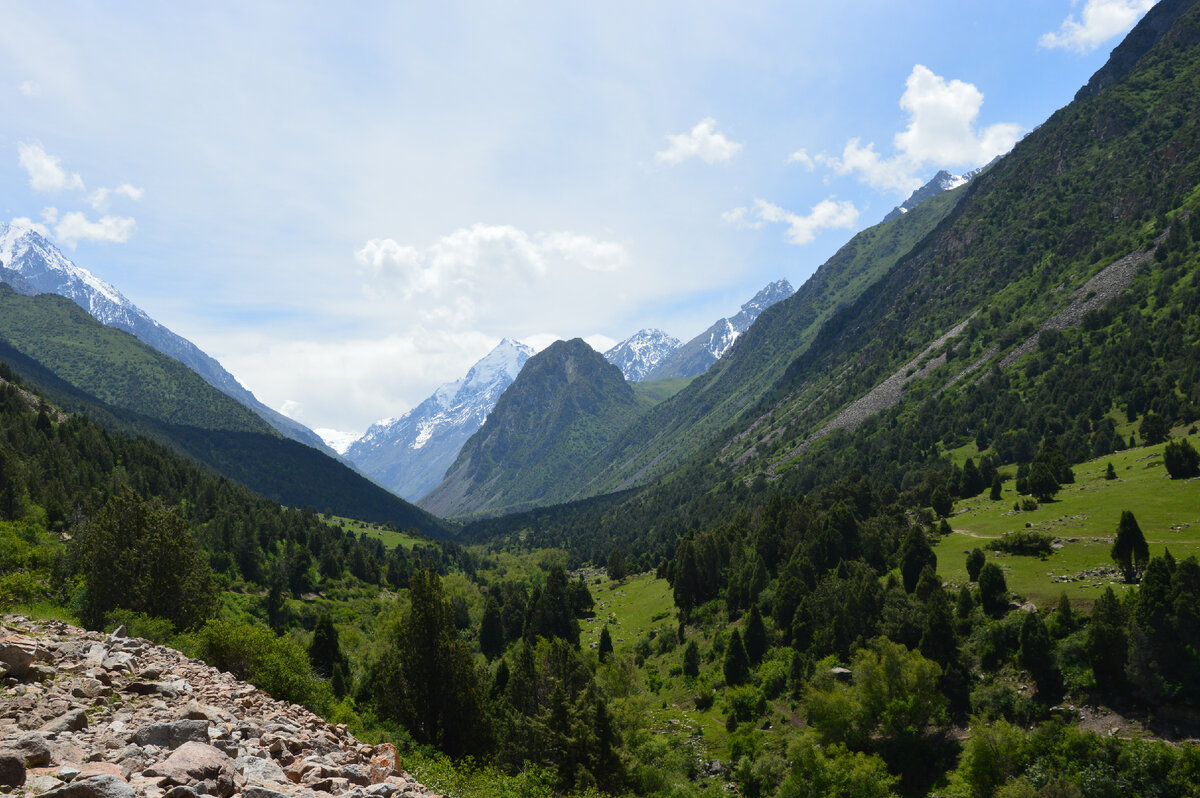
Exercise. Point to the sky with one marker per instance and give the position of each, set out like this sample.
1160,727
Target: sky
349,204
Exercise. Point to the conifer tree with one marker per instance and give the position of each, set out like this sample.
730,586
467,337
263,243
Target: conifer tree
1129,549
737,664
993,590
756,636
975,561
605,649
691,660
491,630
915,554
997,488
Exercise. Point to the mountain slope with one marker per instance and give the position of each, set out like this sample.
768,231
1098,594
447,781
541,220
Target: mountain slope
699,354
87,367
31,265
567,403
410,455
638,354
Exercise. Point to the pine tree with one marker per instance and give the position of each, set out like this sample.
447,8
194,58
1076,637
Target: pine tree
975,561
737,664
965,603
1129,550
605,649
325,651
756,636
993,590
915,554
1181,459
1110,473
491,630
1037,657
997,488
691,660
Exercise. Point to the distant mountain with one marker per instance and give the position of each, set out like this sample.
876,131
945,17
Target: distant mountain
567,403
941,182
409,455
126,386
30,265
697,355
638,354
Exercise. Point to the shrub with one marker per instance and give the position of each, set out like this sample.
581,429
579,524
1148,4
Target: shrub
275,664
1181,459
1026,542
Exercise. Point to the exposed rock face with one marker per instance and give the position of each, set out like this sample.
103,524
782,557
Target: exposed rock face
92,716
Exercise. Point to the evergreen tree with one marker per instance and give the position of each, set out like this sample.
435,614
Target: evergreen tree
755,638
928,584
1037,657
972,483
691,660
993,590
1107,643
997,488
1042,482
325,651
737,664
491,630
965,603
616,566
552,614
941,501
1153,429
915,554
1110,473
605,649
1129,549
975,561
1181,459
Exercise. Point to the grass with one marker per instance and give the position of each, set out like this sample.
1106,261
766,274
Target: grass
1083,517
632,607
390,537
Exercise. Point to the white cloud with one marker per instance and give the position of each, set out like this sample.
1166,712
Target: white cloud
942,131
1102,20
481,257
75,227
29,89
703,142
825,215
25,223
99,198
45,171
801,157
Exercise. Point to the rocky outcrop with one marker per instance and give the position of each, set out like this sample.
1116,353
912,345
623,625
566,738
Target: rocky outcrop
84,715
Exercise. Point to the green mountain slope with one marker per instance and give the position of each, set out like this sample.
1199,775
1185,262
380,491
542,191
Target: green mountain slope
1061,288
676,429
128,387
567,403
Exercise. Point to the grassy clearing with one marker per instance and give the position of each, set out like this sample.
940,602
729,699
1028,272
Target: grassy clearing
390,537
1083,518
632,608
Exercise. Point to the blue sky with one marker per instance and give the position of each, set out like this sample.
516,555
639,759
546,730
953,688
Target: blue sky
348,204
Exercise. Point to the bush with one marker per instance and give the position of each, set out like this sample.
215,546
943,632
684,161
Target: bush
745,702
1026,542
1181,459
275,664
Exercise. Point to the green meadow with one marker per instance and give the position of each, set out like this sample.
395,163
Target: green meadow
1083,519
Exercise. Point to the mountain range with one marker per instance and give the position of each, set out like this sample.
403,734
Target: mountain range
30,265
638,354
409,455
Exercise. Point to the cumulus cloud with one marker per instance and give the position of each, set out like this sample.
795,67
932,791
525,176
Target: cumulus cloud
825,215
45,171
702,141
802,157
1101,21
942,131
100,198
74,227
25,223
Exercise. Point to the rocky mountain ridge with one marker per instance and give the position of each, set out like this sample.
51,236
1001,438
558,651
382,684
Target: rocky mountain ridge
32,265
699,354
638,354
409,455
92,716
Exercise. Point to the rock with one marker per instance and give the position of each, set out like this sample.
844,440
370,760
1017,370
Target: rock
197,711
258,770
261,792
12,769
42,782
120,633
180,791
19,653
384,762
74,720
356,774
91,769
33,748
105,786
193,763
171,735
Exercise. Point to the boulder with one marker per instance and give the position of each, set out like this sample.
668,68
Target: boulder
19,653
195,763
258,770
32,747
12,769
74,720
171,735
105,786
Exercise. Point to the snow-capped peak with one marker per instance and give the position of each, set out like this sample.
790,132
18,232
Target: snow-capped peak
638,354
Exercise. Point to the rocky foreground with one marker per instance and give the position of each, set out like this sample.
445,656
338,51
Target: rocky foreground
84,715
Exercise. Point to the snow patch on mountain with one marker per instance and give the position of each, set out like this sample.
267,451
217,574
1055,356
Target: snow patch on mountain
30,264
638,354
410,454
